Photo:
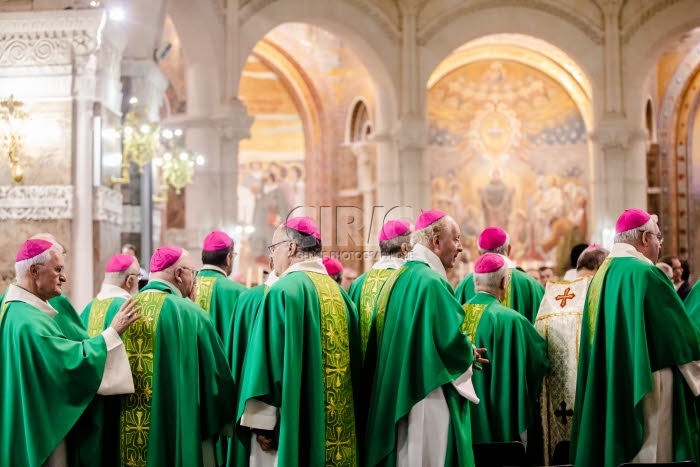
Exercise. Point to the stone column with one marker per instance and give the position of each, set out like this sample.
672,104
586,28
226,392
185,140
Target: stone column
388,170
366,170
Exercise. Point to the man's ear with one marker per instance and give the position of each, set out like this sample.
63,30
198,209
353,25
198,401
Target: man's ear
292,249
229,259
509,247
34,270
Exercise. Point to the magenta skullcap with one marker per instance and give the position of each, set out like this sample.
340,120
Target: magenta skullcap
490,262
428,217
32,248
333,266
631,219
304,225
592,245
492,238
392,229
119,263
164,257
216,240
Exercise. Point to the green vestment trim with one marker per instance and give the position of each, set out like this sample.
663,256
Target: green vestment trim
205,290
371,287
472,316
98,313
135,416
383,299
341,439
594,293
509,291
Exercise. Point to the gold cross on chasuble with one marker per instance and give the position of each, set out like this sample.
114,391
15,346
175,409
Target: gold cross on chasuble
567,295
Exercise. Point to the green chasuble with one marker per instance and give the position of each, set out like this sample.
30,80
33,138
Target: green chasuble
364,292
303,358
47,383
241,324
510,385
184,390
98,314
217,295
633,325
524,293
692,304
421,347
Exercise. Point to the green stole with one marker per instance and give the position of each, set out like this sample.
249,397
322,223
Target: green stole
98,314
633,324
692,304
363,292
524,294
217,295
184,389
303,357
416,309
510,385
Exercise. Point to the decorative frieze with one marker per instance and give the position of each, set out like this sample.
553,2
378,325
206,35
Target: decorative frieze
31,203
107,205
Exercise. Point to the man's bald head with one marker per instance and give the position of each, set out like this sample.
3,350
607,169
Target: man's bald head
181,273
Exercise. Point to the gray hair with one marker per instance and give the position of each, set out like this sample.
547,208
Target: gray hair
22,267
308,246
501,250
592,258
490,280
634,236
118,278
392,247
425,236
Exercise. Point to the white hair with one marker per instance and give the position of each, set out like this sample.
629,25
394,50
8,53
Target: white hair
426,235
634,236
501,250
22,267
118,278
490,280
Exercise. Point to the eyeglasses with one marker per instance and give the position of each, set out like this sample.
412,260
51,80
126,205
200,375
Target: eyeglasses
138,276
658,236
194,271
271,248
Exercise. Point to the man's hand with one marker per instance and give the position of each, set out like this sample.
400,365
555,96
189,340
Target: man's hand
125,316
479,359
266,439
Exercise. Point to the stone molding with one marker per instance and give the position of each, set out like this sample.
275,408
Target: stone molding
635,23
412,133
39,202
148,84
131,218
617,134
107,205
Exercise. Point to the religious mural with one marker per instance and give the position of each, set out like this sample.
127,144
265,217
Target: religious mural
508,147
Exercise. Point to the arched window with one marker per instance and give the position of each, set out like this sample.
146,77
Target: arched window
359,127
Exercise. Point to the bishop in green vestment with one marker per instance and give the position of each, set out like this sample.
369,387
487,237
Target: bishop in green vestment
216,293
524,293
419,404
297,386
394,244
184,390
639,358
49,380
236,342
510,386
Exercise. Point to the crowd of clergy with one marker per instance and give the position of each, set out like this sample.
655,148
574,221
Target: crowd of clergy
194,369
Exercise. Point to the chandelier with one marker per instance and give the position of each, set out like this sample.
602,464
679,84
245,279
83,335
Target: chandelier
177,163
12,118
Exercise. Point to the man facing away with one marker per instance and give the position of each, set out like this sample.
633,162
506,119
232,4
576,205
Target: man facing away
639,359
524,293
216,293
184,390
297,390
509,387
559,322
418,409
49,380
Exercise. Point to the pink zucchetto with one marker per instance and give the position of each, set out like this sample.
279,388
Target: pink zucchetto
32,248
164,257
119,263
492,238
304,225
592,246
217,240
631,219
428,217
393,229
490,262
333,266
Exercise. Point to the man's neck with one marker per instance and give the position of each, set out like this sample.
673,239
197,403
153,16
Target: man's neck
498,295
29,287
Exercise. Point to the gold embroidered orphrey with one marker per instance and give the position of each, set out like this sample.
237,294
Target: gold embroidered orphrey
509,290
341,438
383,299
472,316
370,289
205,290
135,411
98,312
594,293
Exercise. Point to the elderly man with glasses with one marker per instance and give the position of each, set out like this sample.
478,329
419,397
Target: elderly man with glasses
639,359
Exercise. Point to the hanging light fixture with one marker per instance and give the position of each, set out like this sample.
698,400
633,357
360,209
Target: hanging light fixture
12,118
177,163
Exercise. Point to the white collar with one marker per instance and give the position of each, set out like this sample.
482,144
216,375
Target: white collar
424,255
16,293
625,250
112,291
271,278
509,262
389,262
310,265
211,267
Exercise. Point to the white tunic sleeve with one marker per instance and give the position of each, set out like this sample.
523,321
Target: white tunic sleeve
117,378
260,415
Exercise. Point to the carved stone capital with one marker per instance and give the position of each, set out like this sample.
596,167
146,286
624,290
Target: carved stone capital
617,134
107,205
41,202
233,121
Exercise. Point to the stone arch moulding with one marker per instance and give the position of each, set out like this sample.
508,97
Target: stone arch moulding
310,107
351,23
350,117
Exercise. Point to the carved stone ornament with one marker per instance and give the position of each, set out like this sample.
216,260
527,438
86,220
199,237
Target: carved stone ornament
107,205
32,203
616,134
